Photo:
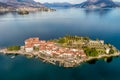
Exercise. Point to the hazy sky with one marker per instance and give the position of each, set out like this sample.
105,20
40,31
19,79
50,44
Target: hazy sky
71,1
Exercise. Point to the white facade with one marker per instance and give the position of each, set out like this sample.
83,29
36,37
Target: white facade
107,50
96,42
102,41
36,45
48,52
66,55
29,49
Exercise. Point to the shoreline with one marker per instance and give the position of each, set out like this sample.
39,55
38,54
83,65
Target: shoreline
60,62
68,51
102,56
26,10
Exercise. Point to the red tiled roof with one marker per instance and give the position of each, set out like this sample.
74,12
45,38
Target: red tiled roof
32,40
28,46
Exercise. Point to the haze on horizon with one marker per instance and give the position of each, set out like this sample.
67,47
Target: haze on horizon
70,1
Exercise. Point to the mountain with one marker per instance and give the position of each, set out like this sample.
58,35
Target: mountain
97,4
117,3
57,4
4,7
3,4
22,5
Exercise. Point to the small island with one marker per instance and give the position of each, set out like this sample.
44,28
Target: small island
67,51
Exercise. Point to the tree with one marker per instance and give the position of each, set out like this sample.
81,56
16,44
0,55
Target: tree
61,40
90,52
13,48
86,38
36,48
111,51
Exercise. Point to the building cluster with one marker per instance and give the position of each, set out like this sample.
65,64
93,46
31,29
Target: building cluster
99,45
92,42
49,47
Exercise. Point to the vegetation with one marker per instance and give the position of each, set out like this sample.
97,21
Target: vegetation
70,39
23,12
91,52
36,48
13,48
61,40
111,51
86,38
91,49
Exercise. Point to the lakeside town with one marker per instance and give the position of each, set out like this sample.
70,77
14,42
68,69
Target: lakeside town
25,10
22,7
67,51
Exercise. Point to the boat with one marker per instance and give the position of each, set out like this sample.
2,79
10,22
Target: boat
12,57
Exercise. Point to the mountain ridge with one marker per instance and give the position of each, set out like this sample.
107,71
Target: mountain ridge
18,3
85,4
58,4
97,4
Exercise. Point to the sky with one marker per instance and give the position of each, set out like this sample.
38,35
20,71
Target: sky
70,1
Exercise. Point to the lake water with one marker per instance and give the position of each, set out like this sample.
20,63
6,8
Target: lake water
100,23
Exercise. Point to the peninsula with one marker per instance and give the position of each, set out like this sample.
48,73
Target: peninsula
67,51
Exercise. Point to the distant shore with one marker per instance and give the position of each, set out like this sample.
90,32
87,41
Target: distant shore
25,10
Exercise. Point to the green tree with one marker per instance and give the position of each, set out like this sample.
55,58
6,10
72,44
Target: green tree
36,48
86,38
111,51
92,52
13,48
61,40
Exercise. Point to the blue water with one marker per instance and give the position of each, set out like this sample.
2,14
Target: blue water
100,23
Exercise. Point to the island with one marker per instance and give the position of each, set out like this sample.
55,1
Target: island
67,51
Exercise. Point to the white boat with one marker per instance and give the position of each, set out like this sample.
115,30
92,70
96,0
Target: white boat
13,57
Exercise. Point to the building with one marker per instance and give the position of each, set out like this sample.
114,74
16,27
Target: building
29,49
91,42
107,50
31,43
49,48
